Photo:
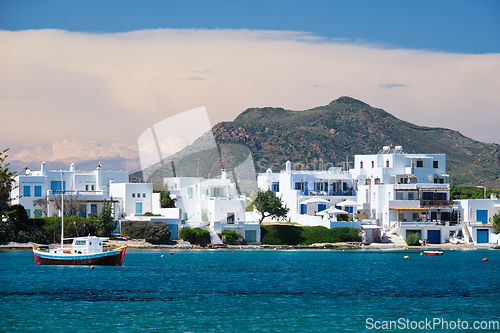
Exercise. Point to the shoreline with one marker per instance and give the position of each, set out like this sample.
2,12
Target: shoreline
181,245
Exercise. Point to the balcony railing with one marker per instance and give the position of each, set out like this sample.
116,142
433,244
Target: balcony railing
436,203
329,193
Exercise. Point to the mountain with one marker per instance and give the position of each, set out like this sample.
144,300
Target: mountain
325,135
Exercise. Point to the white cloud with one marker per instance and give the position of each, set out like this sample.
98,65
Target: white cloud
57,85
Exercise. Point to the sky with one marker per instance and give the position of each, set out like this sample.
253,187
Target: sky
82,80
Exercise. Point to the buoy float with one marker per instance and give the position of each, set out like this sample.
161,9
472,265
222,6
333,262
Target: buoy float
485,259
92,267
232,252
162,255
421,254
404,248
170,253
406,257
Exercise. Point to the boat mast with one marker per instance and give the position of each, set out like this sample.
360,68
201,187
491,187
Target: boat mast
62,208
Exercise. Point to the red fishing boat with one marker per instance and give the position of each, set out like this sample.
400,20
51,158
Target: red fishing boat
433,253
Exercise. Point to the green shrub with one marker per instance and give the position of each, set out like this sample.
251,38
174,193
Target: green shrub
413,240
231,236
195,235
298,235
153,232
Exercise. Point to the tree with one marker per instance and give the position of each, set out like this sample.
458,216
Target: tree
166,201
7,183
72,204
104,222
495,220
43,204
269,205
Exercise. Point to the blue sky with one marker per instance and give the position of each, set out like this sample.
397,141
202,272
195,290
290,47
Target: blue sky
450,26
95,75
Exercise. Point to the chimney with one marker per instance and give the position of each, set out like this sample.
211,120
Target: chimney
72,167
43,169
288,166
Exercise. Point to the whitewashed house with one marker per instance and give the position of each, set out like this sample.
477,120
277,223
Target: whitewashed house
475,215
407,193
307,193
212,204
130,200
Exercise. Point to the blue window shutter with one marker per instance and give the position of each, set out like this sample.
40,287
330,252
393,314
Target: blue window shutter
38,191
482,216
296,185
326,187
28,212
27,191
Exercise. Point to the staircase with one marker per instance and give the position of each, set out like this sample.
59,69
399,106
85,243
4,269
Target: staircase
465,227
214,238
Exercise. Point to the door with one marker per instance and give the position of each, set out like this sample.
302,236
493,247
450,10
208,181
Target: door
434,236
303,209
250,235
321,207
138,207
482,236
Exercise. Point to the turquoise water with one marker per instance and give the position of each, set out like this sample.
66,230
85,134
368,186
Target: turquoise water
249,291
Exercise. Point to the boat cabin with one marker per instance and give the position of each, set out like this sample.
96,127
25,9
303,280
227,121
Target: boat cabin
82,245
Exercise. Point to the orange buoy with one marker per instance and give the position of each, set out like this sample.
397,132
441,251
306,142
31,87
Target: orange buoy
485,259
92,267
170,253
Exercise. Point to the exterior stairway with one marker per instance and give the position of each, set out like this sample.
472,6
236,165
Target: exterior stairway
465,227
214,238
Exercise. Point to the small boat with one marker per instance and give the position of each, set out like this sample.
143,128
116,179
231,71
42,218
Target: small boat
83,251
433,253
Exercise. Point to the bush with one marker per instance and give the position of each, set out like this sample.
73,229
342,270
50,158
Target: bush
413,240
296,235
153,232
230,236
195,235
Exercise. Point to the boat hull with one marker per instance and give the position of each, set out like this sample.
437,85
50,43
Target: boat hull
110,258
433,253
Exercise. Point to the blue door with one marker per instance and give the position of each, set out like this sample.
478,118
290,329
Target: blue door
303,209
138,207
434,236
174,228
482,236
321,207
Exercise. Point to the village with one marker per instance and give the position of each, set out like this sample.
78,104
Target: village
388,196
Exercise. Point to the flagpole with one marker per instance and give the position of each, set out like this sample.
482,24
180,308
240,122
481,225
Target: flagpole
62,208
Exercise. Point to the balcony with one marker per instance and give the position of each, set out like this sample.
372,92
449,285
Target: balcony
436,203
347,193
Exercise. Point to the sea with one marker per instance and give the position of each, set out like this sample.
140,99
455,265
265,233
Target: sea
255,290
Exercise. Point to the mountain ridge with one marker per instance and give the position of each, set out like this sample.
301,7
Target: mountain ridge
347,127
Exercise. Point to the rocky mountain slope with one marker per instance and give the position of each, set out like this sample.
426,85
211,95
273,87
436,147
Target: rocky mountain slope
323,136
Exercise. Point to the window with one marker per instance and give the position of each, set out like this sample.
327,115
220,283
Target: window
28,213
420,164
368,182
387,163
38,191
133,195
377,181
55,186
38,213
190,192
27,191
301,186
321,186
373,164
435,164
144,195
93,209
92,187
86,187
230,217
275,187
361,165
410,195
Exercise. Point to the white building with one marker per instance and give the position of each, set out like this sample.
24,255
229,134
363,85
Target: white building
476,215
407,193
214,204
92,187
307,193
